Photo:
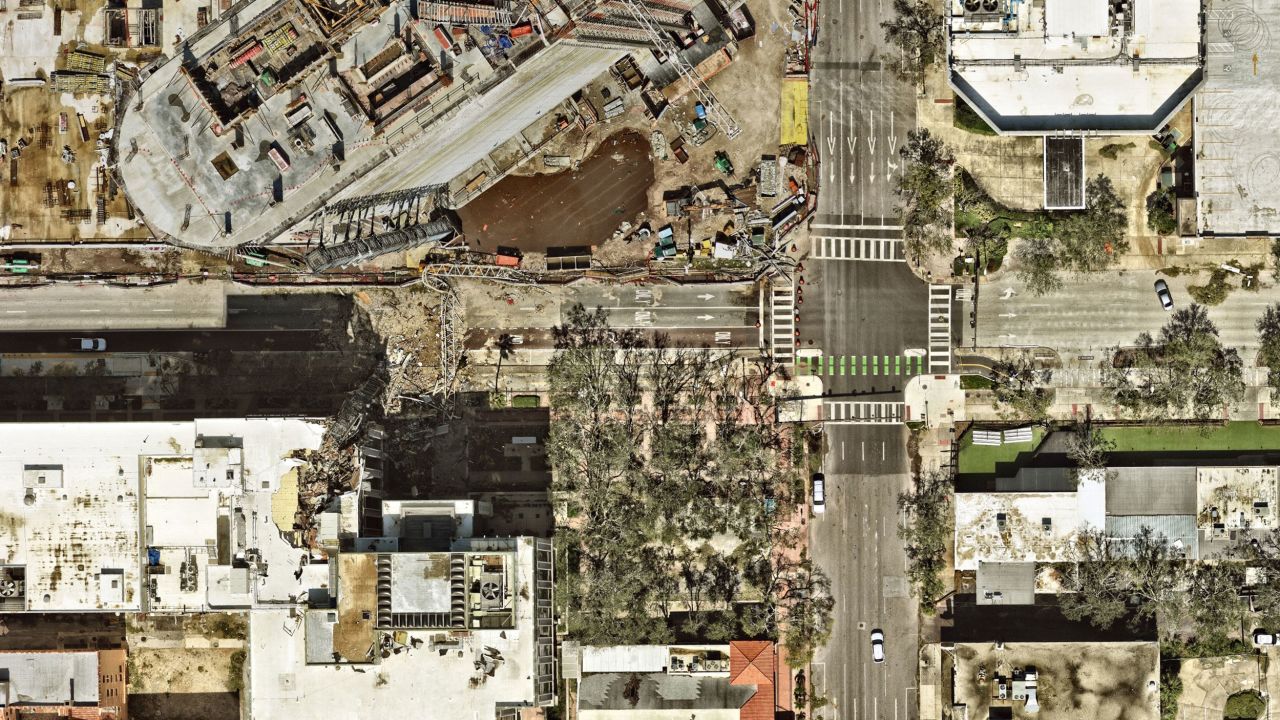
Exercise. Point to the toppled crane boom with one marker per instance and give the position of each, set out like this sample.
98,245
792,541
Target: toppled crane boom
361,249
716,113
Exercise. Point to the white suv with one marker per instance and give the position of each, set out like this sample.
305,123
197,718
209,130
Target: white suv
819,493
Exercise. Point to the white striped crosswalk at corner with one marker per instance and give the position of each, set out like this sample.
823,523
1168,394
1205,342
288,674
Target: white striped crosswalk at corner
940,329
857,248
782,321
854,412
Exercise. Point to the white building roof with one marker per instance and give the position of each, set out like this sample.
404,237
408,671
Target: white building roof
1026,526
50,678
81,542
1075,17
1068,65
624,658
419,683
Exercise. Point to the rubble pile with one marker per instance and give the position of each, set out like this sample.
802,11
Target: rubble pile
329,472
407,327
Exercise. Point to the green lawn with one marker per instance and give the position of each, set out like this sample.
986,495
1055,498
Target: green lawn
967,119
982,459
1243,435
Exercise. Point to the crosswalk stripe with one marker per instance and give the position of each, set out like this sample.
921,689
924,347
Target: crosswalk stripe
863,413
877,249
782,309
940,328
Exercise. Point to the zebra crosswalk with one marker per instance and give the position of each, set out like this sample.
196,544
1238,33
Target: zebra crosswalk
782,308
850,412
857,248
867,365
940,328
878,243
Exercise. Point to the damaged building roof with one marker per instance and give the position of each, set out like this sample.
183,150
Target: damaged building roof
86,500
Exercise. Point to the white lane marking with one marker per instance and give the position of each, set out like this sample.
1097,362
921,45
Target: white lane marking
90,311
15,312
162,310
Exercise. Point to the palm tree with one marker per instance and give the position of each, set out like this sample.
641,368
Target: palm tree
506,346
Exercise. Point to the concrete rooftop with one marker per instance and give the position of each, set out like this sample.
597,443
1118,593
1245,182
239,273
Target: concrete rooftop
173,169
419,683
75,522
1064,65
1236,115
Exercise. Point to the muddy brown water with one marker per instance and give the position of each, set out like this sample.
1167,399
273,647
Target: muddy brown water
581,207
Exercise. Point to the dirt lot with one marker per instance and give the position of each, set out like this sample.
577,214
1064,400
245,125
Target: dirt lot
582,207
1106,681
198,683
1207,682
750,88
186,666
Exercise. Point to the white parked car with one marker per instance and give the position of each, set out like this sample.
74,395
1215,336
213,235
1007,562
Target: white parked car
877,646
1262,637
819,493
90,344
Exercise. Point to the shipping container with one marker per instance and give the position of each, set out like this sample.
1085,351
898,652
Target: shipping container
278,158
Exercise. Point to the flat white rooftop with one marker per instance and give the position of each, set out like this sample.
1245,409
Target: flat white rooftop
83,502
1068,65
427,682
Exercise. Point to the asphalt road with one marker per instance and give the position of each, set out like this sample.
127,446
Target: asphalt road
166,341
1093,313
715,316
857,544
861,300
85,307
295,311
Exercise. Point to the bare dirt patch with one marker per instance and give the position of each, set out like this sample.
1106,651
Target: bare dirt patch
1076,680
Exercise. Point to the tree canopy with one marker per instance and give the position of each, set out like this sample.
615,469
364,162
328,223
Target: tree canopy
1269,344
924,191
671,481
1185,372
1022,390
926,533
917,31
1080,241
1141,577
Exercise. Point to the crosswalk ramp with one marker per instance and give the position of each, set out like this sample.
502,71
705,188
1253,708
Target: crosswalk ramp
857,248
854,412
782,322
940,329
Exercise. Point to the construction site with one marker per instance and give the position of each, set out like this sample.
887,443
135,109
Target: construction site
258,138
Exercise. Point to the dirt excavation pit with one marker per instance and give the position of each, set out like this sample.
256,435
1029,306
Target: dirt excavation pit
577,207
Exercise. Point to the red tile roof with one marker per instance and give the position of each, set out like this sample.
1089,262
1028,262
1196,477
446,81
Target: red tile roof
754,662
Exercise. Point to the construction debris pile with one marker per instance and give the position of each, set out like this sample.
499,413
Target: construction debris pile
407,326
329,472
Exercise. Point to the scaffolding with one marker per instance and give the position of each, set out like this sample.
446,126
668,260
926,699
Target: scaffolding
360,249
497,273
84,61
463,12
77,82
